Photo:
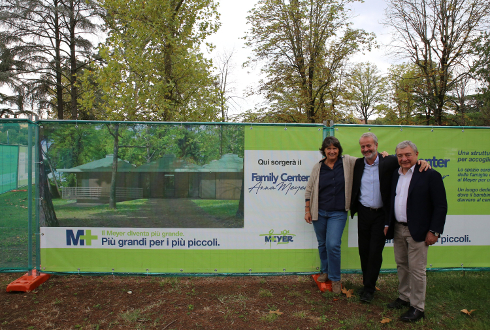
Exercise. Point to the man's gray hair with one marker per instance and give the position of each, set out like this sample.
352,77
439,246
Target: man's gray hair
406,143
371,135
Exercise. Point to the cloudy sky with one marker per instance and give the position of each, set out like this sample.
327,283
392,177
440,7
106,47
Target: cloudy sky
367,16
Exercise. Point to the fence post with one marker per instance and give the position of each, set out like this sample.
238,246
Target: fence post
29,198
38,202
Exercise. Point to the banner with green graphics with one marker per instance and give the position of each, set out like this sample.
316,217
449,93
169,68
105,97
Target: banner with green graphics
271,237
230,199
462,156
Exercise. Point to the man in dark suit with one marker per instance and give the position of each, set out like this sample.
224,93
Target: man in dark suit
371,199
371,190
417,218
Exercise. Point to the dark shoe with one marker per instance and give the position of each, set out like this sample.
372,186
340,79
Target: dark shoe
360,291
412,315
398,304
366,297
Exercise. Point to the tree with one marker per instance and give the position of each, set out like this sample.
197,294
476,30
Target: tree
436,35
481,71
14,59
115,158
365,88
52,34
406,97
304,44
226,98
152,67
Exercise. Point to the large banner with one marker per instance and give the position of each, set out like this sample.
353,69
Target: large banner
462,157
271,236
181,221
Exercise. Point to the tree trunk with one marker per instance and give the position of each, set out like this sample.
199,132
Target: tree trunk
112,198
47,215
59,82
54,176
73,64
240,212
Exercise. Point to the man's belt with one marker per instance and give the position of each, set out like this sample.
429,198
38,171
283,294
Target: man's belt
373,209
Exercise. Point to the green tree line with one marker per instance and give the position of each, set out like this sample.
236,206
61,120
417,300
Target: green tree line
152,66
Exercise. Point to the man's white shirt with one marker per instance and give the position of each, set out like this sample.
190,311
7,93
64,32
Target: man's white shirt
402,194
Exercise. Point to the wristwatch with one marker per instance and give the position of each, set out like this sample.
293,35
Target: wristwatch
436,234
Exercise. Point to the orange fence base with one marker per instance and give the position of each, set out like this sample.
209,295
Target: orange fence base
323,286
28,283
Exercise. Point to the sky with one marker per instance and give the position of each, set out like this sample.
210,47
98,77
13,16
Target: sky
367,16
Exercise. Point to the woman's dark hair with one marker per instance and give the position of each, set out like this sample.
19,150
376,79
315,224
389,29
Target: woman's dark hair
329,140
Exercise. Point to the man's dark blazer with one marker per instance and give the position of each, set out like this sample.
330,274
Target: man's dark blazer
426,204
387,165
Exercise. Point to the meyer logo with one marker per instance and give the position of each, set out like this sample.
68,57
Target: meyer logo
284,237
82,237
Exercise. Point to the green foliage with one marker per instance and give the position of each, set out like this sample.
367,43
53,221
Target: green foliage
365,89
437,37
406,105
46,45
69,145
152,67
17,133
304,46
481,69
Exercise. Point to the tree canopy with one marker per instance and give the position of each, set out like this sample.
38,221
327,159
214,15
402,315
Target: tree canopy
365,89
152,67
437,37
303,45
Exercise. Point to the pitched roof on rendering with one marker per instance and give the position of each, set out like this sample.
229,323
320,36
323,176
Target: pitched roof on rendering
227,163
101,165
169,163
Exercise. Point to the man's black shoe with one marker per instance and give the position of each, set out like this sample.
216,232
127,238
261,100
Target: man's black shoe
366,297
398,304
412,315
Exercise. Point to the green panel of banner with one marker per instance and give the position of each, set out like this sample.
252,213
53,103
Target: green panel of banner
462,157
283,138
178,261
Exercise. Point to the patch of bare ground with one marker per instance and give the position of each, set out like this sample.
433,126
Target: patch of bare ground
151,302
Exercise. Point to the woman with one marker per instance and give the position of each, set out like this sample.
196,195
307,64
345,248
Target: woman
328,195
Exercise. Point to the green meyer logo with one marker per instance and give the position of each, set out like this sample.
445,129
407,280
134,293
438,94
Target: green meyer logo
81,237
284,237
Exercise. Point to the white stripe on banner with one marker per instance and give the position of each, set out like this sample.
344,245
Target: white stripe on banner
460,230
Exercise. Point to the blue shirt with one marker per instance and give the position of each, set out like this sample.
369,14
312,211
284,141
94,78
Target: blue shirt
370,191
331,193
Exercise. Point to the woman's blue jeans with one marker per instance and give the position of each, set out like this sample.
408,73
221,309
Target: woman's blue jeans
328,229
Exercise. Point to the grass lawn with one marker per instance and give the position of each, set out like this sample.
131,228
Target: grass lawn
14,230
218,208
69,209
